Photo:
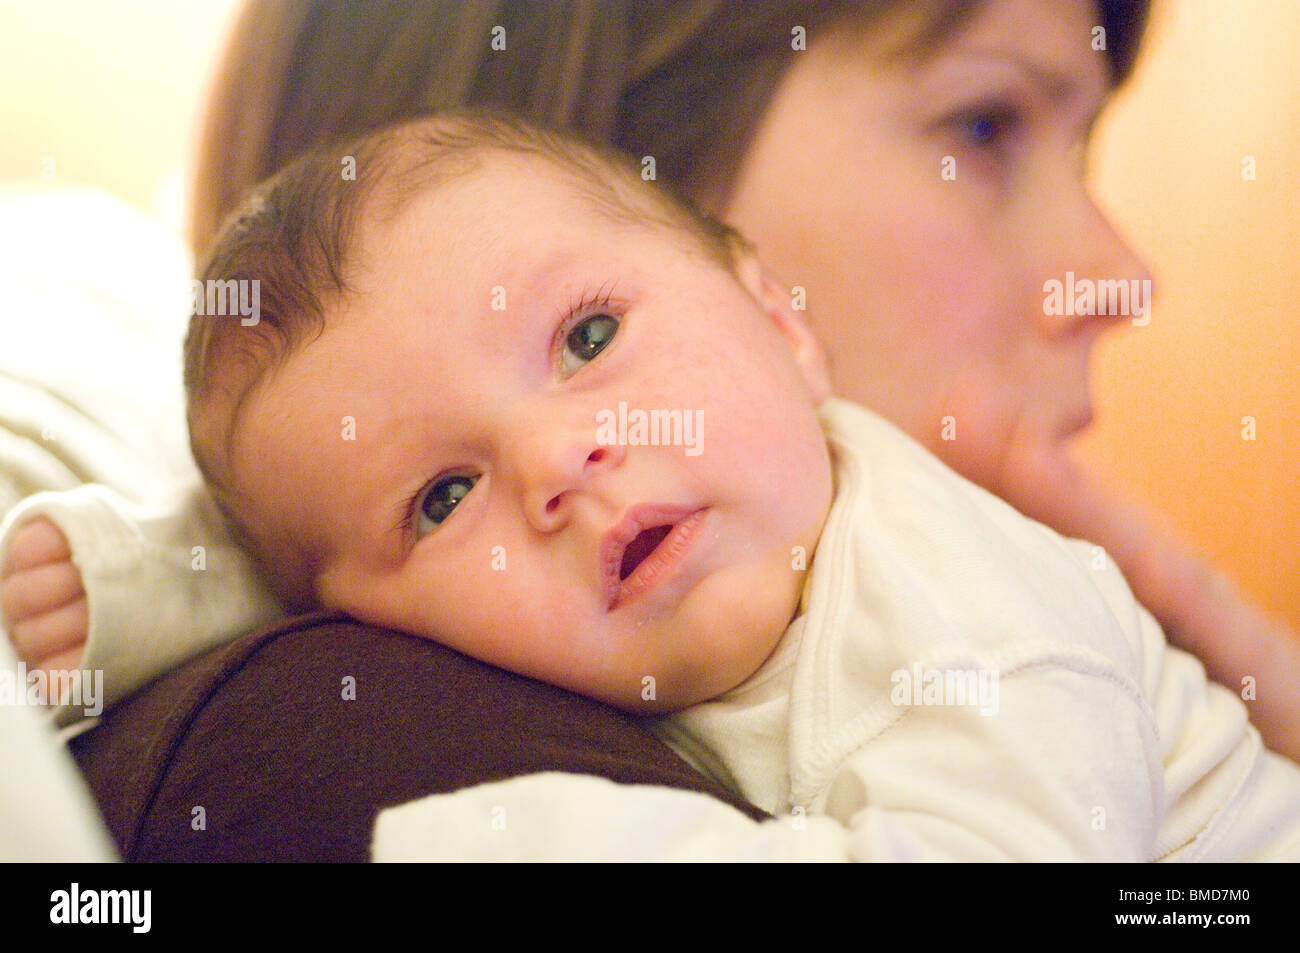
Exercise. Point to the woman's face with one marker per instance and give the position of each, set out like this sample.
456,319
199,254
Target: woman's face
923,204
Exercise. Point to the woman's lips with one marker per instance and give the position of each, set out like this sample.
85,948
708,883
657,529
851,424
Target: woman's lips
645,548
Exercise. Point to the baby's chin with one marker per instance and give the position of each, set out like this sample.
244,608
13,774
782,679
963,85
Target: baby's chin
742,650
751,627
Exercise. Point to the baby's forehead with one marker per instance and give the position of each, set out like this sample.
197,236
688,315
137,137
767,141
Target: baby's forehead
479,192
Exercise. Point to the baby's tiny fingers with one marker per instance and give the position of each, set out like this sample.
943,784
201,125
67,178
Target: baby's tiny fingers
62,662
34,591
68,661
36,543
50,634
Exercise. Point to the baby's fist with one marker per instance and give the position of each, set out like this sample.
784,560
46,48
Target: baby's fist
42,599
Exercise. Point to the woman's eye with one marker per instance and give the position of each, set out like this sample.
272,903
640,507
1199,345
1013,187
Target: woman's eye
988,128
587,339
441,499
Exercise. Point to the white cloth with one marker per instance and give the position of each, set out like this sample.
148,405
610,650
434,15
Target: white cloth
46,813
1101,742
164,581
81,306
92,432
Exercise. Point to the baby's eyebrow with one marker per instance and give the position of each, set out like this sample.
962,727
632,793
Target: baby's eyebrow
537,278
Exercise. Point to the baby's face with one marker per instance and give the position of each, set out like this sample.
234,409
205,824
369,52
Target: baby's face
470,446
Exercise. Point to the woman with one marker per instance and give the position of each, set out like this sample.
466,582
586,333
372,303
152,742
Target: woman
914,168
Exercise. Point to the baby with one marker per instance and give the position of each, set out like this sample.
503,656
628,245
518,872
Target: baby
422,449
500,393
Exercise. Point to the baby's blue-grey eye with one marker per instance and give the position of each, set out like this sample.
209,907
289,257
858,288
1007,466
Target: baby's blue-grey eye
443,497
588,338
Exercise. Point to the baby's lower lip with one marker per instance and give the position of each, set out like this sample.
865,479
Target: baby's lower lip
662,563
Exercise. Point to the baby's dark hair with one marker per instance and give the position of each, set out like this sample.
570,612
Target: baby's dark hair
297,236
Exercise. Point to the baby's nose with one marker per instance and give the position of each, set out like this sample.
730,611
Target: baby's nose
565,466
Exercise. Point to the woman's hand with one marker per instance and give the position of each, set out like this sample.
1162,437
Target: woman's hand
1200,610
42,598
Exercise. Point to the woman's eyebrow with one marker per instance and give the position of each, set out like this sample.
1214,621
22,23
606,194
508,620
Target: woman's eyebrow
1057,85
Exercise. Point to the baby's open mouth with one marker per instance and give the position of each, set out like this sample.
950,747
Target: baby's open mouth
645,548
641,547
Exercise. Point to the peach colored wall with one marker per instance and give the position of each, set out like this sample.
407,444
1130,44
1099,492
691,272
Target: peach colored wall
1218,82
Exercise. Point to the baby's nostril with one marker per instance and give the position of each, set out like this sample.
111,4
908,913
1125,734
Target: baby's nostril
596,456
552,505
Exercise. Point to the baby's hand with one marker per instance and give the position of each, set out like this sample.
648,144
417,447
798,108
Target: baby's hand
42,598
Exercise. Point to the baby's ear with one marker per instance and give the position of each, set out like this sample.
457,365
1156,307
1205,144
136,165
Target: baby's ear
778,304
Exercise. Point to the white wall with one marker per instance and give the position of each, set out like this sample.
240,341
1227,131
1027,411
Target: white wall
109,89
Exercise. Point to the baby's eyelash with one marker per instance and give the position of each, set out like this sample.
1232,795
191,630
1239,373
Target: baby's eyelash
583,306
411,509
406,519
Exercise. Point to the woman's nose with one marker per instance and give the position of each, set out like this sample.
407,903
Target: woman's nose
1089,269
560,461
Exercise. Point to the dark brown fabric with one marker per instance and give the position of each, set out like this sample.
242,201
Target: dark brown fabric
259,735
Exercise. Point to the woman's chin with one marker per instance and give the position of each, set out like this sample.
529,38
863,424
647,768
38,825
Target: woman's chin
1077,423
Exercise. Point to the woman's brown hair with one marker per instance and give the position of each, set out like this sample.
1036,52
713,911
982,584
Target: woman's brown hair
685,81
